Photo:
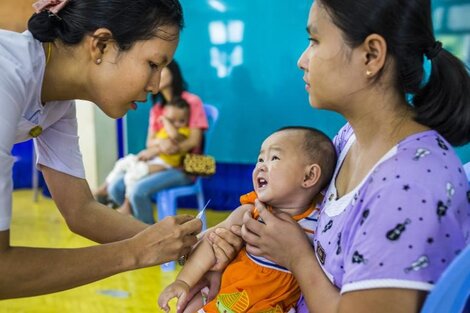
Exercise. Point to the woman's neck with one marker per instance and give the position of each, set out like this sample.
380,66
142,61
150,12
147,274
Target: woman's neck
382,119
61,79
167,93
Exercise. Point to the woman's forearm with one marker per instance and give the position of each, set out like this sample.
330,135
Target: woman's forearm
319,293
83,214
34,271
100,224
151,142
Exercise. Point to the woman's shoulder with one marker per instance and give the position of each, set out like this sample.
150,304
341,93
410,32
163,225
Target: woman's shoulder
22,65
20,49
425,161
342,137
191,98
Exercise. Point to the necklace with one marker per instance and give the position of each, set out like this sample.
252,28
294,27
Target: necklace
37,130
49,50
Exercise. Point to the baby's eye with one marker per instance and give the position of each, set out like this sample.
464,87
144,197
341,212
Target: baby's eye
260,160
275,157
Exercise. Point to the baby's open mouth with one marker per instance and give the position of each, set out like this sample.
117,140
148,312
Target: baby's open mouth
262,182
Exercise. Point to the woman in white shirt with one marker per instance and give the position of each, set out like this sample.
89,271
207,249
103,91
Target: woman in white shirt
110,53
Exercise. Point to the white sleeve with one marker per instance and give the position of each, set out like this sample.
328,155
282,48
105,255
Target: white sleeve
11,98
57,147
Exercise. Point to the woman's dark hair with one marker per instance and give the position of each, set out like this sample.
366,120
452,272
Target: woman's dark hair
178,85
443,103
128,21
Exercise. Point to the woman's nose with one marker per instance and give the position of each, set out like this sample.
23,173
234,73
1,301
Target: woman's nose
302,63
153,85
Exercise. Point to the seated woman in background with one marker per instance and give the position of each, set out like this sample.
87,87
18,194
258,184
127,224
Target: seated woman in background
175,119
172,86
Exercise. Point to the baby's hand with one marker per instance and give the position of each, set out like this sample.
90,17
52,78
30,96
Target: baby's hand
145,155
164,120
178,289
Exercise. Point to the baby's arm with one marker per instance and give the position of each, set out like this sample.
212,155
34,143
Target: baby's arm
171,130
201,261
196,266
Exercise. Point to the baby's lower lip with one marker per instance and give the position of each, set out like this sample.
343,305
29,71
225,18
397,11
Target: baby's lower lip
133,106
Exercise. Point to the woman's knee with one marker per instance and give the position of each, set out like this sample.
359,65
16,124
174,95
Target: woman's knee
116,191
136,195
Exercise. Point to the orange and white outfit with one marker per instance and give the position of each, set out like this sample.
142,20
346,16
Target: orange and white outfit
255,284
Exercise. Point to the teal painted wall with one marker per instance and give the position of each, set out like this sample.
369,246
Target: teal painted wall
241,57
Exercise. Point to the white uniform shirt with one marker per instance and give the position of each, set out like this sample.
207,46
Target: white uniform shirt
22,64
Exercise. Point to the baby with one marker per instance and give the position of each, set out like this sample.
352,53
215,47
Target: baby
294,165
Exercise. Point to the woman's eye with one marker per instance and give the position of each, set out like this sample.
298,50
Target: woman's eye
153,66
313,41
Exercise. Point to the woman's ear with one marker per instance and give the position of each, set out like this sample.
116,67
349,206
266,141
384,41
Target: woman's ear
312,175
99,44
375,53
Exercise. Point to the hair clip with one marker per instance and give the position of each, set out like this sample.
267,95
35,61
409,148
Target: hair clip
433,51
52,6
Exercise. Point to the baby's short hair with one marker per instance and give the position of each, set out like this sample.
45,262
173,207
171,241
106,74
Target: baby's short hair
319,149
179,103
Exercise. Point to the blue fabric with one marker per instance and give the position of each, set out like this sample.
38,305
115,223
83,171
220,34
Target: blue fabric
452,291
427,68
144,190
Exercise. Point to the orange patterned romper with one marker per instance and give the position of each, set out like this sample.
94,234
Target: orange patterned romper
255,284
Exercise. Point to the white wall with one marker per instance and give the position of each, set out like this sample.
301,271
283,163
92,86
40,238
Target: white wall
98,141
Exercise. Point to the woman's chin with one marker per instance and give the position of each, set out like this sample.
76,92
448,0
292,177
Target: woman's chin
311,100
315,103
115,114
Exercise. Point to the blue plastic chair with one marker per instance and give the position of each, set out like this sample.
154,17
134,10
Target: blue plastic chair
452,290
167,199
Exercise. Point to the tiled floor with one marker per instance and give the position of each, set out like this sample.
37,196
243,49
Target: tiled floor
41,225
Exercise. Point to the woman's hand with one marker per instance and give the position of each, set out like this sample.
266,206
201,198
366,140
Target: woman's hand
280,239
226,245
165,241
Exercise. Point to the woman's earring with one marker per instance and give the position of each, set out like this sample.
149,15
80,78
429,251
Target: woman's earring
368,73
98,61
